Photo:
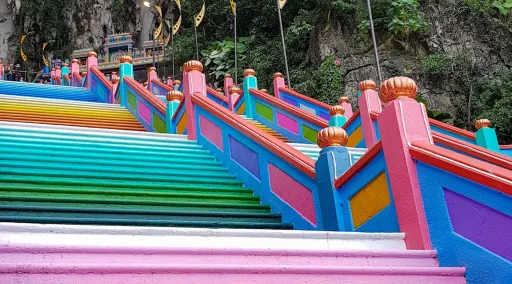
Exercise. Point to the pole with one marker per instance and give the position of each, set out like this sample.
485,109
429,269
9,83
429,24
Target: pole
236,51
284,45
153,33
172,44
197,46
374,40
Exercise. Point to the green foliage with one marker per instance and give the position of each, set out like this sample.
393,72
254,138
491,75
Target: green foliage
298,33
436,66
432,113
406,18
481,6
493,99
343,7
326,83
503,6
220,58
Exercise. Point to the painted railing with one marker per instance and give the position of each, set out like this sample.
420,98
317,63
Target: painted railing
295,124
354,130
363,196
506,150
100,86
158,88
468,209
179,120
76,80
281,175
239,106
148,109
449,130
66,81
471,150
217,97
305,103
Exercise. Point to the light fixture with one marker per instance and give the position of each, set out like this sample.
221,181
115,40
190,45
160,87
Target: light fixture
147,4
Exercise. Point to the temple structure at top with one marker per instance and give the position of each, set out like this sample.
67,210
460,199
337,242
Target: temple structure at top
118,45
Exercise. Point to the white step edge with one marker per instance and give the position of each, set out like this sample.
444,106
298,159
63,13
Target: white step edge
58,101
86,235
85,131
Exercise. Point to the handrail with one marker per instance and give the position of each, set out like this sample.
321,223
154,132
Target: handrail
101,77
473,150
78,78
182,104
506,147
237,100
289,108
467,167
161,85
216,94
294,157
358,166
306,98
146,94
450,128
351,119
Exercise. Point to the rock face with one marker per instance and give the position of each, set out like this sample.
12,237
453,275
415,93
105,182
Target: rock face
7,27
486,43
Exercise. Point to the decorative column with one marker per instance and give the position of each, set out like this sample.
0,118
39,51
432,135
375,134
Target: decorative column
152,75
345,103
250,82
228,83
337,116
58,75
65,71
333,161
52,73
2,70
84,76
125,70
115,86
486,136
75,66
369,102
176,84
169,81
174,99
194,82
92,60
278,83
404,121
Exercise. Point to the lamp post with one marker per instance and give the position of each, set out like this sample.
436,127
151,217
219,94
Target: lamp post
375,48
155,14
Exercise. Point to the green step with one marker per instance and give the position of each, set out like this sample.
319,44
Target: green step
101,145
112,213
26,171
163,166
6,198
109,183
121,222
164,154
207,160
132,195
112,171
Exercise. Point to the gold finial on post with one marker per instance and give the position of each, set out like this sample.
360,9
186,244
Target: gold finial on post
125,59
174,95
332,136
92,54
482,123
278,74
366,85
336,110
227,76
249,72
343,100
235,90
397,88
193,65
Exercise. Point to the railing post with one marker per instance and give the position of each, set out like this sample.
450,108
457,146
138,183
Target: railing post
75,68
228,83
333,161
52,73
404,121
169,81
234,93
65,71
250,82
337,116
92,60
486,136
152,75
174,99
278,83
345,103
368,102
125,70
84,77
58,75
2,70
195,82
176,84
115,86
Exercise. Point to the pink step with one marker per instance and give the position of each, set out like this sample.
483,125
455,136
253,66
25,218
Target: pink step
224,274
97,255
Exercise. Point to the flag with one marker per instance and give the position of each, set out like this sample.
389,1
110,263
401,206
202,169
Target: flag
282,3
200,16
178,4
44,58
159,29
233,6
176,26
23,56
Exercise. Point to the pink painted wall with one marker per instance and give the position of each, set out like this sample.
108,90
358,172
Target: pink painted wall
287,123
406,121
292,192
194,82
91,61
144,112
278,83
211,131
